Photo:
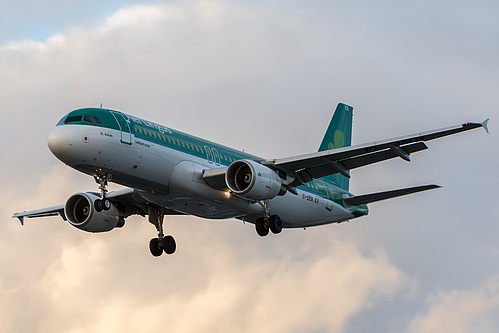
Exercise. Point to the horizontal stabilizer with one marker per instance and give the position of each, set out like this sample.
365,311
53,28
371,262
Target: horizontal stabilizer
367,198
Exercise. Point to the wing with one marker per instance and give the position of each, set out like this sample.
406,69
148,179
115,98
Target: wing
51,211
304,168
128,201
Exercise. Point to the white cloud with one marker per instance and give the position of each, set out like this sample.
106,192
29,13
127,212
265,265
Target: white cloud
461,311
92,286
140,16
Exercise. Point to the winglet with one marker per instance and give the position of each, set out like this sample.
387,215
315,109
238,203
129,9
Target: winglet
485,125
20,217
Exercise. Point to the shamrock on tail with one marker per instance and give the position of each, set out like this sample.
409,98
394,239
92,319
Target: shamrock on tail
339,140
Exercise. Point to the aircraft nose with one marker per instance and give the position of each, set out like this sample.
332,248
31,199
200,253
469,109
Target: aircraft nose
59,141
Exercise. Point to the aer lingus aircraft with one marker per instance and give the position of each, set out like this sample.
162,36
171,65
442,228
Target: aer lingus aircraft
168,172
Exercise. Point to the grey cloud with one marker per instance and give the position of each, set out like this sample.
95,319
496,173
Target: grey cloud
264,78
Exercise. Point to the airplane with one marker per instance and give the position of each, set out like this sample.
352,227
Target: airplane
167,172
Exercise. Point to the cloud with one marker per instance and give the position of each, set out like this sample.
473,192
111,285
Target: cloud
469,310
108,282
264,78
66,280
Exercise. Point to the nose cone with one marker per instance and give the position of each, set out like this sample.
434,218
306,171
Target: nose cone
60,141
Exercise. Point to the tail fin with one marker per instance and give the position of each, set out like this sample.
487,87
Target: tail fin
338,135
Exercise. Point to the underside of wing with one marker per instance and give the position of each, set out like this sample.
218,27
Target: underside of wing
128,201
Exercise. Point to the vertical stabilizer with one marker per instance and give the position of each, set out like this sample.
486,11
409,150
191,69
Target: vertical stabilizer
338,135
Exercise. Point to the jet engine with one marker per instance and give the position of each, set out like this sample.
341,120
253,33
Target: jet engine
254,181
81,212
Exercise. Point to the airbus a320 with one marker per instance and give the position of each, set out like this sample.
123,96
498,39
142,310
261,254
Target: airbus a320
166,172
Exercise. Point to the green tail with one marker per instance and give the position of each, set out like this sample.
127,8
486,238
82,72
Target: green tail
338,135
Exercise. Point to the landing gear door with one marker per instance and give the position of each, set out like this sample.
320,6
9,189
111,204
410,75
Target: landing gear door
126,131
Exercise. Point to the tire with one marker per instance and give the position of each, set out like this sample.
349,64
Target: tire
260,227
275,224
169,245
106,204
154,247
99,205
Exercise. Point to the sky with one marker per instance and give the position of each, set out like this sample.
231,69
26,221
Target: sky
264,77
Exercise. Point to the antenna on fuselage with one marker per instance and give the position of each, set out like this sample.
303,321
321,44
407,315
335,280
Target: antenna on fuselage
101,105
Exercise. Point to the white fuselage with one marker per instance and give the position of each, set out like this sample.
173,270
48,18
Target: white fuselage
173,178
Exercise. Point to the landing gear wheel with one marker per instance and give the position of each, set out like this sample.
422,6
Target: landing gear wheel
154,247
103,203
169,245
99,205
275,224
260,227
162,243
106,204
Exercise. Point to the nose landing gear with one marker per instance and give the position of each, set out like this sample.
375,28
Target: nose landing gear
102,203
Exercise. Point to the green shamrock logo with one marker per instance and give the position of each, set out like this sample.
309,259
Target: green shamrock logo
339,140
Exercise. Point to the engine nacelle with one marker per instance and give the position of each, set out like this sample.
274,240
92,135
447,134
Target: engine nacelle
252,180
81,213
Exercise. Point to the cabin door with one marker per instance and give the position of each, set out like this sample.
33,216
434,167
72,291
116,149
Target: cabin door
126,130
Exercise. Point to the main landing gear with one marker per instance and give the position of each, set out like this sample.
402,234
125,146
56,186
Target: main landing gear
162,242
156,217
267,222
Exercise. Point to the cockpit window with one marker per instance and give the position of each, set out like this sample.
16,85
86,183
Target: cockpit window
97,120
85,118
72,119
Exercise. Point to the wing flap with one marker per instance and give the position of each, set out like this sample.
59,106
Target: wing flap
329,165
